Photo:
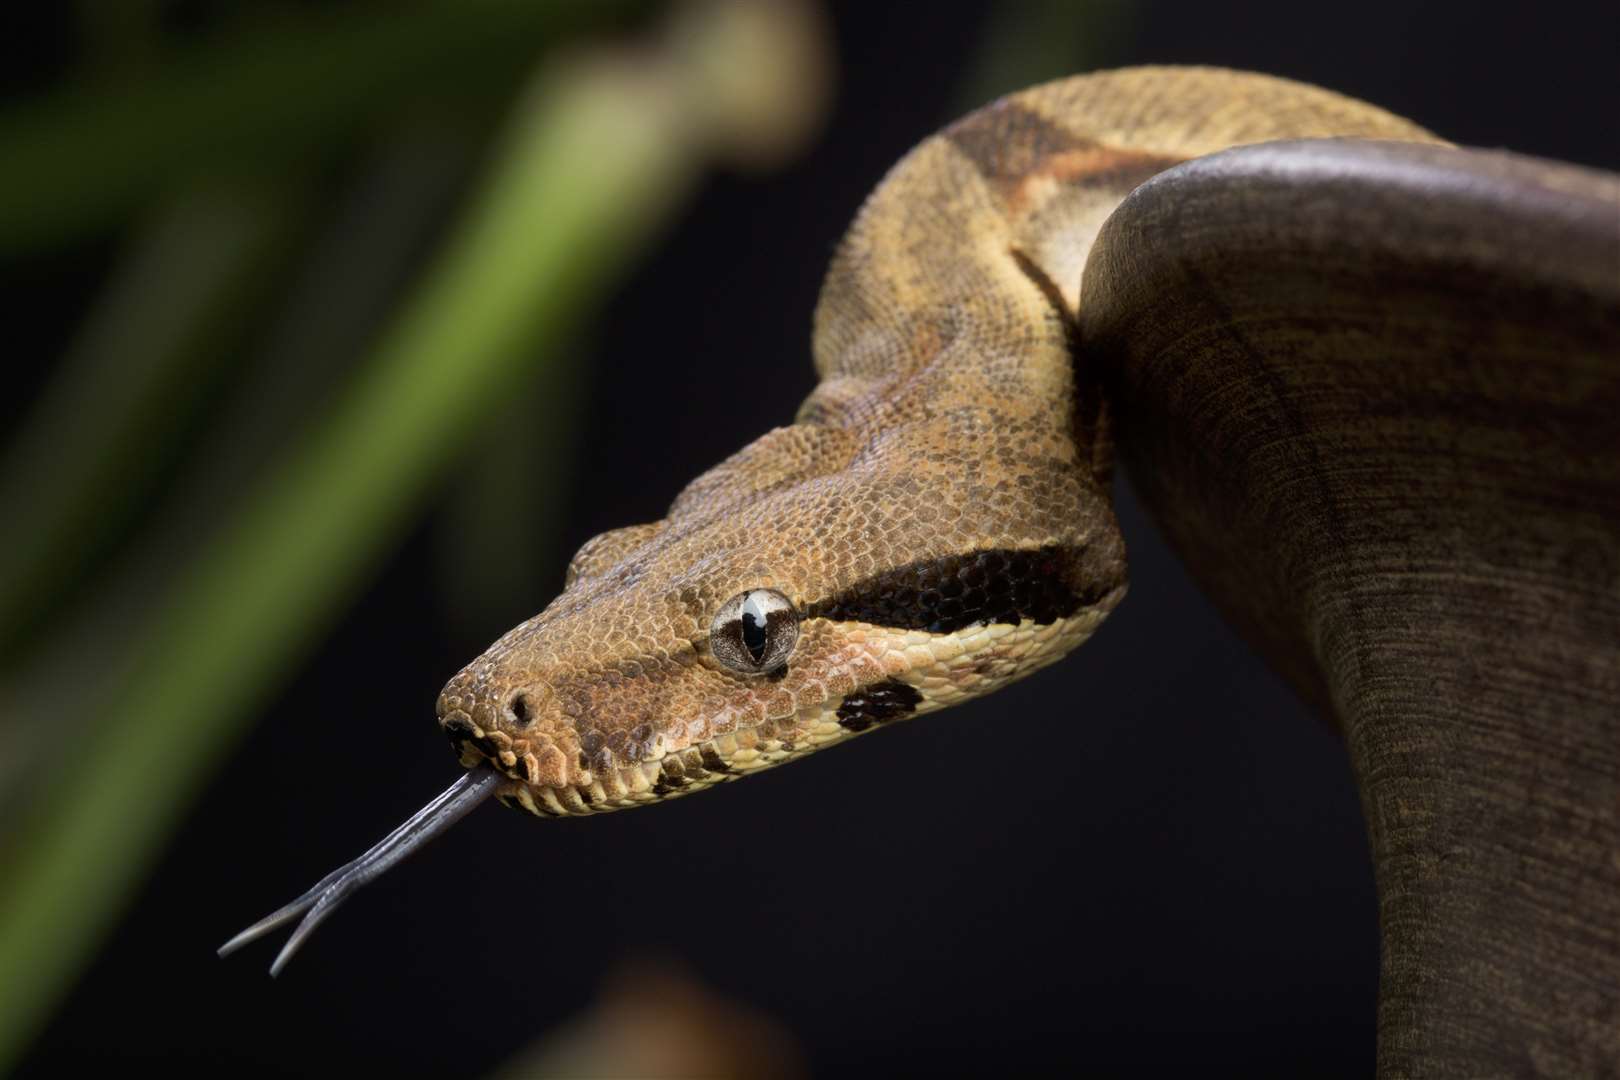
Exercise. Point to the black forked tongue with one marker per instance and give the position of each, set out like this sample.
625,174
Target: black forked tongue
428,822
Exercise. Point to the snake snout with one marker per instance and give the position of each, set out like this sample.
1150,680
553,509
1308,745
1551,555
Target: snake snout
511,725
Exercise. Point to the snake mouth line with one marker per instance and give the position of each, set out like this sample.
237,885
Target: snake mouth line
673,773
1014,650
690,769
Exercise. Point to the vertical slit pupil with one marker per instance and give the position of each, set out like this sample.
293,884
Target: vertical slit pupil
753,633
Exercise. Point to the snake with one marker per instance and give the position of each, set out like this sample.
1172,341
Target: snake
935,523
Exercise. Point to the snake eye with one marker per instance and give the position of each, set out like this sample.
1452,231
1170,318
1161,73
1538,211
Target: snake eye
754,632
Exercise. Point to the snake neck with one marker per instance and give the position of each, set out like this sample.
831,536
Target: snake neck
956,421
953,298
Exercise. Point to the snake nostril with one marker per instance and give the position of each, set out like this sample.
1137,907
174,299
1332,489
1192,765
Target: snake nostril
519,707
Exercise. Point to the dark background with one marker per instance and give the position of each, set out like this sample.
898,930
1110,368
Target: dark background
1191,889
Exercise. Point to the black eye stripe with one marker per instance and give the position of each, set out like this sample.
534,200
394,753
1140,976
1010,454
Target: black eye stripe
981,587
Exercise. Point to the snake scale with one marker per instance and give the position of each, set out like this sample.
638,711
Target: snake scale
1368,389
935,523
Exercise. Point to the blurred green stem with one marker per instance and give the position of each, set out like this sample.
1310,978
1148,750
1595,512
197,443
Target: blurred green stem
278,362
498,539
84,459
593,161
83,157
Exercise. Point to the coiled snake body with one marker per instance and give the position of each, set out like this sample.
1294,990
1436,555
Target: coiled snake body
937,520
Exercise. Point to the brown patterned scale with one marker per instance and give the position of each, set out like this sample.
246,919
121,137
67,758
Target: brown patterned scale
936,524
1368,387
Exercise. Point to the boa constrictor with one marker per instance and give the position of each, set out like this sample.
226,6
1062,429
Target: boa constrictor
935,523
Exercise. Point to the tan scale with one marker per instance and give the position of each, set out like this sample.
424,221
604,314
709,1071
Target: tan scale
948,420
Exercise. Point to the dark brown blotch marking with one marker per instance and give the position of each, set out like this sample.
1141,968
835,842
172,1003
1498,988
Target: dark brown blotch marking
692,766
1007,142
671,777
714,763
1010,146
877,704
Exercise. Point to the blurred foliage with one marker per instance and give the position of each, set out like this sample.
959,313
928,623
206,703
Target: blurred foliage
282,88
1034,41
354,244
193,522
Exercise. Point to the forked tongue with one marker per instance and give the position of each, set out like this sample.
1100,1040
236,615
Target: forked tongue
319,902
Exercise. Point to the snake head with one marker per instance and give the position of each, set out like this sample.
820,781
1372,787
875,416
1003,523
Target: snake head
810,588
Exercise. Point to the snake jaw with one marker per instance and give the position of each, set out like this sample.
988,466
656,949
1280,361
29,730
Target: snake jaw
901,601
845,679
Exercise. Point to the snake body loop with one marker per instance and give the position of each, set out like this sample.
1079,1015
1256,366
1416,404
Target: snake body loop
1368,389
935,524
938,517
